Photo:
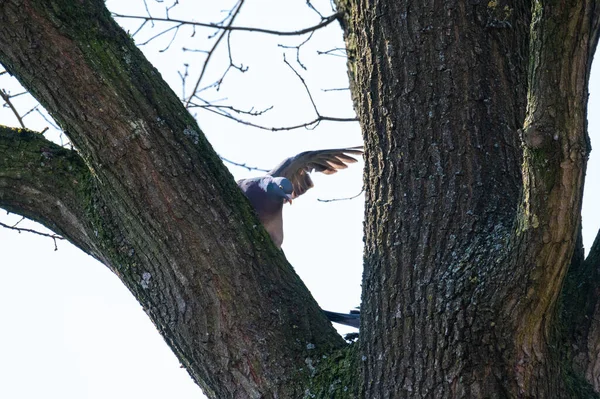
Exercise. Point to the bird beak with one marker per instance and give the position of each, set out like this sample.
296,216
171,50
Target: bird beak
288,198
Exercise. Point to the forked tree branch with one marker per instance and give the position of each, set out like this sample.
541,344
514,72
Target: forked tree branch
45,183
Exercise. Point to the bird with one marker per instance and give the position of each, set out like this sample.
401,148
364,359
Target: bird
289,180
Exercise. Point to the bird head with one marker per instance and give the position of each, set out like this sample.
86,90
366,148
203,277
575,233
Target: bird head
280,187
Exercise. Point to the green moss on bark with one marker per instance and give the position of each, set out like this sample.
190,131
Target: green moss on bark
336,376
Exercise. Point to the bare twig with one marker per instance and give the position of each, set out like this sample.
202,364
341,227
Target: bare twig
223,110
218,82
312,101
243,165
226,108
307,125
234,13
6,97
139,28
55,127
176,2
183,76
336,89
19,94
297,48
20,220
148,12
309,4
335,52
172,40
30,111
241,67
51,123
21,230
176,28
342,199
194,50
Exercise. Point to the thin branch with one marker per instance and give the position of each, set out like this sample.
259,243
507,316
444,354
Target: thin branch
30,111
308,125
51,123
194,50
303,84
336,89
139,28
232,15
9,103
222,110
342,199
172,40
243,165
176,27
20,230
19,94
309,4
218,82
19,221
183,76
232,64
335,52
320,25
297,48
148,11
169,8
226,108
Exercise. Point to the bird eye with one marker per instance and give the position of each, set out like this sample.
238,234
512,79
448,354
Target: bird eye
281,187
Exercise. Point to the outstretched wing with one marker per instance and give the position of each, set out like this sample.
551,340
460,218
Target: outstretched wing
297,168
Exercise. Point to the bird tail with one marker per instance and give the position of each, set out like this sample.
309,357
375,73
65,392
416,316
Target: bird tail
348,319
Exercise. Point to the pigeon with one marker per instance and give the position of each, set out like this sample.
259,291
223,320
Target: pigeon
289,180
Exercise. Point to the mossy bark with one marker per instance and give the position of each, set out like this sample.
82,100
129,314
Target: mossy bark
158,207
473,115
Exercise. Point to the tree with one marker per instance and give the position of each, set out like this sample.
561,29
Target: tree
474,120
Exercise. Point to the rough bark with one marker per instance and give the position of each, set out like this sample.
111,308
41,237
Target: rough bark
46,183
474,119
555,147
166,215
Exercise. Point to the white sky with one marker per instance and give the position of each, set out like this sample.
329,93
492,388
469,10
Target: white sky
71,330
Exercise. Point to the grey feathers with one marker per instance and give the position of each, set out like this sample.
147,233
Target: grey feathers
289,180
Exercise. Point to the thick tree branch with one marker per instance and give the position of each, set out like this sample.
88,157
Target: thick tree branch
170,221
556,148
46,183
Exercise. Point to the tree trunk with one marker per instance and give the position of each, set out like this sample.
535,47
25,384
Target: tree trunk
474,120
